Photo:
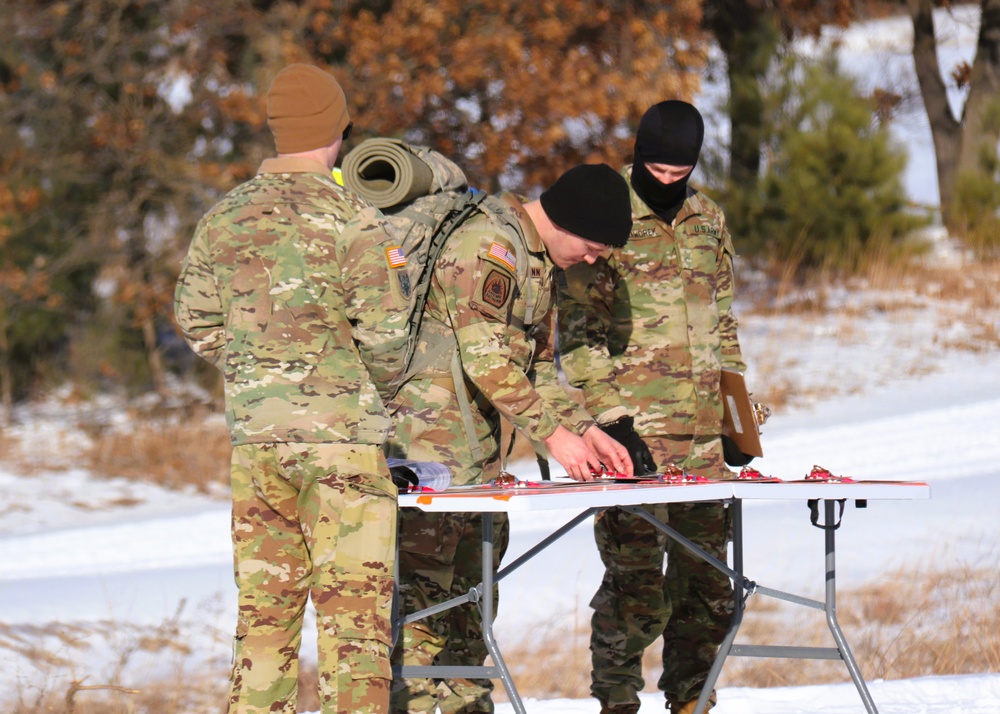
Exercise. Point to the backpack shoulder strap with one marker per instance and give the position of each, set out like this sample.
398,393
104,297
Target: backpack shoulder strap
463,206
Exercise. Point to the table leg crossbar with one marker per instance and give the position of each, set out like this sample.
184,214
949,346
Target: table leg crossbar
740,595
482,597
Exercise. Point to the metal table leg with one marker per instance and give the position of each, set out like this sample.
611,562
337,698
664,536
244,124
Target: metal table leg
831,610
482,596
739,602
486,606
743,588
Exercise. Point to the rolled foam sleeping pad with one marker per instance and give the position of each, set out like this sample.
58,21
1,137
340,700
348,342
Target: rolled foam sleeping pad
386,173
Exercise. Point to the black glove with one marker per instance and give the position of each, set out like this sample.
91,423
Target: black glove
731,452
623,432
404,478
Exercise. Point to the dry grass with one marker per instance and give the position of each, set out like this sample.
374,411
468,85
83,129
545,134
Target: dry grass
176,448
930,303
967,293
195,453
939,622
187,689
58,652
193,694
894,282
909,624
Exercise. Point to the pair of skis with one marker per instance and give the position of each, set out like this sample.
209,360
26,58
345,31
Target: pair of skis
672,475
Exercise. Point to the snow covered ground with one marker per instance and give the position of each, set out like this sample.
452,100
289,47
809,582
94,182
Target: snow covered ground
90,568
115,580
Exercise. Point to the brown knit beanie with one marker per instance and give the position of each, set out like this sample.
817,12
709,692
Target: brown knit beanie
306,109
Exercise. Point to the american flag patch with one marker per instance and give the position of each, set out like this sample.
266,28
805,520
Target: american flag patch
501,254
395,256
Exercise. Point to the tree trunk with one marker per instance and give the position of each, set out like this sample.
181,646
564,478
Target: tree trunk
151,343
6,380
968,145
946,130
748,36
980,129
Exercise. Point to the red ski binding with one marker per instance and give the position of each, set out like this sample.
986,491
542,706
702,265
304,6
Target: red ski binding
818,473
749,473
673,473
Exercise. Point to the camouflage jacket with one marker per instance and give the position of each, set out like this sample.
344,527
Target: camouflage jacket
479,304
651,326
284,289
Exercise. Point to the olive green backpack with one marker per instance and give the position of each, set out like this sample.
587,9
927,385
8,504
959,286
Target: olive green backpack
425,196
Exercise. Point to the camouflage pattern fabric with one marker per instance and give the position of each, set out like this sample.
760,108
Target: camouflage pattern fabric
312,520
284,289
477,307
476,310
690,606
653,323
289,289
648,329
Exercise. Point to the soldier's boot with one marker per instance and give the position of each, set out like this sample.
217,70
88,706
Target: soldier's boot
688,707
630,708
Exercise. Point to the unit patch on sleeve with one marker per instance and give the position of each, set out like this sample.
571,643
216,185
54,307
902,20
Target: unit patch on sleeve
496,288
404,283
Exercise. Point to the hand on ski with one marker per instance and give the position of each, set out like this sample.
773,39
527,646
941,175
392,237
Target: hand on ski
614,456
576,455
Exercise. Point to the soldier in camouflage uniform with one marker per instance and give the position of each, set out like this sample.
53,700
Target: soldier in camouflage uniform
288,288
486,324
649,328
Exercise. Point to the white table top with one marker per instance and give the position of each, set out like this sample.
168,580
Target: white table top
565,496
602,495
794,490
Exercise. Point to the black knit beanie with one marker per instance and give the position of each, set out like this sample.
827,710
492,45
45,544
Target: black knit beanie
670,133
591,201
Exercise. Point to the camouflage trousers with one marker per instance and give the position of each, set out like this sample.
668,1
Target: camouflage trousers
312,520
690,606
440,554
441,557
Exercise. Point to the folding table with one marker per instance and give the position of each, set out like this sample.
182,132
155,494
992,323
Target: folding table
589,499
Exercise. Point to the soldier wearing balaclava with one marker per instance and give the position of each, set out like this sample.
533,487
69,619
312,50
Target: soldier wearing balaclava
670,133
645,333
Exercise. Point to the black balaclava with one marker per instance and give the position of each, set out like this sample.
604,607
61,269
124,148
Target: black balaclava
670,133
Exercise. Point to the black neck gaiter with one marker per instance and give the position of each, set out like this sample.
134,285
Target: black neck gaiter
665,199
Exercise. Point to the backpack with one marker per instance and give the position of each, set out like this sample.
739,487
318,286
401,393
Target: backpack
425,197
423,227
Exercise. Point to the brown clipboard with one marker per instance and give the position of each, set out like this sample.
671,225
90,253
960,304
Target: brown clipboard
739,420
